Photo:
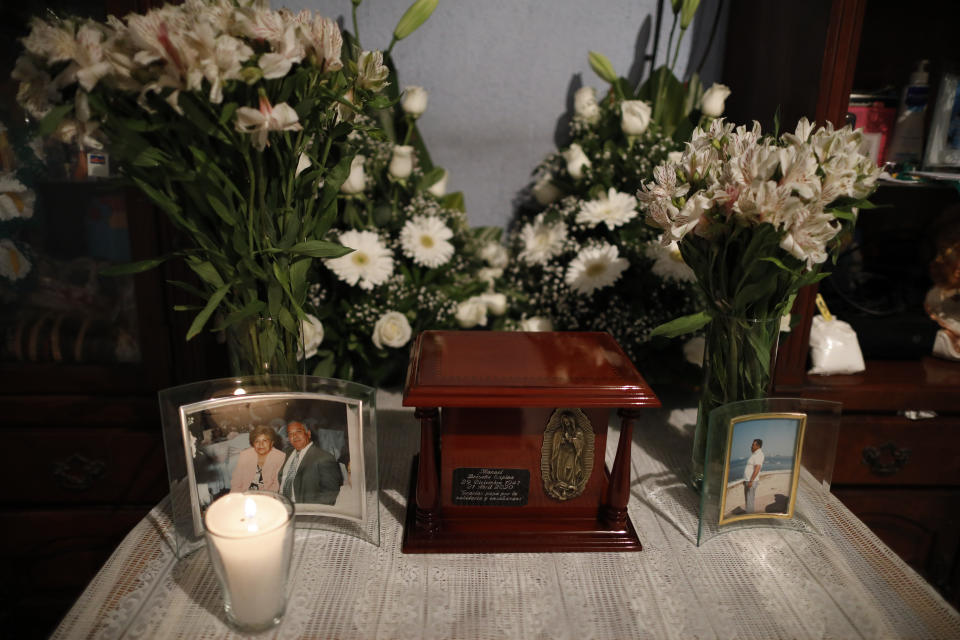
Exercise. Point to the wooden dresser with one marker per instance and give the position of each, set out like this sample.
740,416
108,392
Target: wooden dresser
898,456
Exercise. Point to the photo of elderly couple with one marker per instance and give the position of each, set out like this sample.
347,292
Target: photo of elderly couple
308,449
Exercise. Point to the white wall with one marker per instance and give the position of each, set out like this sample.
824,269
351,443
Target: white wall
499,74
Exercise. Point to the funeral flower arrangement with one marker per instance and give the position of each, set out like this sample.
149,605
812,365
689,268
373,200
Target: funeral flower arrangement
416,263
583,257
232,118
756,219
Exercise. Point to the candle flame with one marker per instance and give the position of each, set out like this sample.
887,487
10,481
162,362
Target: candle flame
250,514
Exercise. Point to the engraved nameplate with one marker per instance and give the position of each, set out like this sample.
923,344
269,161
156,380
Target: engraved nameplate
491,487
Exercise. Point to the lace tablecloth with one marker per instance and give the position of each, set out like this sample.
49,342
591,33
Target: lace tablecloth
755,583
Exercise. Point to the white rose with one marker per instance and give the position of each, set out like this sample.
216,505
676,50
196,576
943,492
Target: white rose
311,330
545,191
391,330
356,182
712,103
536,323
576,161
401,163
495,254
489,275
693,350
439,188
635,117
472,312
585,105
414,101
496,303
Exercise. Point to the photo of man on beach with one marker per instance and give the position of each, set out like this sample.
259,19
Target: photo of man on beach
762,466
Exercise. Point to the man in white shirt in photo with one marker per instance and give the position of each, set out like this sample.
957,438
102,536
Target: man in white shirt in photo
751,475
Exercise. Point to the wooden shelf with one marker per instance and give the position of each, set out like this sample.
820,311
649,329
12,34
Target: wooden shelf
887,386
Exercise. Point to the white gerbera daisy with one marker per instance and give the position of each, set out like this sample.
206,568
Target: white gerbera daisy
613,209
370,263
424,240
542,241
668,263
594,268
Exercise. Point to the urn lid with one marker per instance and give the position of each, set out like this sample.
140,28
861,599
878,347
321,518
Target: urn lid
522,369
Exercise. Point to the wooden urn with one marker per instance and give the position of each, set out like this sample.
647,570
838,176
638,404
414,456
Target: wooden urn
513,432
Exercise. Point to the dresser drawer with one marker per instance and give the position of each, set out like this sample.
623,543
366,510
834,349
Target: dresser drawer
109,466
892,450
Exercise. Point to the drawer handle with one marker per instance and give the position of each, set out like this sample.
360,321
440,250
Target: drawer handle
886,459
78,473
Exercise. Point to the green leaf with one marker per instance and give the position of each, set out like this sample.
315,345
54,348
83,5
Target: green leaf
250,309
274,298
133,267
198,323
325,366
319,249
454,201
207,272
226,114
415,16
682,325
52,120
226,214
287,321
430,178
602,66
298,278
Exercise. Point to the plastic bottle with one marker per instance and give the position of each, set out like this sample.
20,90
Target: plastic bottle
906,146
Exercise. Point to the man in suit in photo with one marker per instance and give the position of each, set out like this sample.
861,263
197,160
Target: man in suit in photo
310,475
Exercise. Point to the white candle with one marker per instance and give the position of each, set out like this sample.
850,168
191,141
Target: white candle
248,531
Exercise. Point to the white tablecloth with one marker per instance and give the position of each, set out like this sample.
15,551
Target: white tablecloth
755,583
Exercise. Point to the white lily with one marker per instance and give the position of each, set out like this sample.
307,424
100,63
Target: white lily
260,122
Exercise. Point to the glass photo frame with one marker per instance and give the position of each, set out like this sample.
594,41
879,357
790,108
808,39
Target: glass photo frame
943,140
764,458
311,439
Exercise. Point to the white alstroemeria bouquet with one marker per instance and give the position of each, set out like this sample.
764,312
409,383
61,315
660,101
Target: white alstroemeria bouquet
416,263
582,256
756,218
232,119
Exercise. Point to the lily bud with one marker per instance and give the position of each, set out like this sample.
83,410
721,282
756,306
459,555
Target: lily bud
415,16
602,66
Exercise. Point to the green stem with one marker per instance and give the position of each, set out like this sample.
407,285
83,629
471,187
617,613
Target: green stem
410,123
356,30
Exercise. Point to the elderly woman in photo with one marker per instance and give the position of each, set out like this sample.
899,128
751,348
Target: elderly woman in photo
258,466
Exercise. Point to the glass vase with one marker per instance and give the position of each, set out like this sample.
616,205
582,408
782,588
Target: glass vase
738,363
260,346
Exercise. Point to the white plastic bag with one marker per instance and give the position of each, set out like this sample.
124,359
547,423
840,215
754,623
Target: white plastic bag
834,347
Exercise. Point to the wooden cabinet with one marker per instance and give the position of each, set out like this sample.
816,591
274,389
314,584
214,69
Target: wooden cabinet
898,455
82,357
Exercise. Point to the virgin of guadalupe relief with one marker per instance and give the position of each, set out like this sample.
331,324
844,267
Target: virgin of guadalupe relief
566,457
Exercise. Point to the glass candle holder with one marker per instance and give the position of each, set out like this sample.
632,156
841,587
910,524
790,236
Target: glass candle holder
250,541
